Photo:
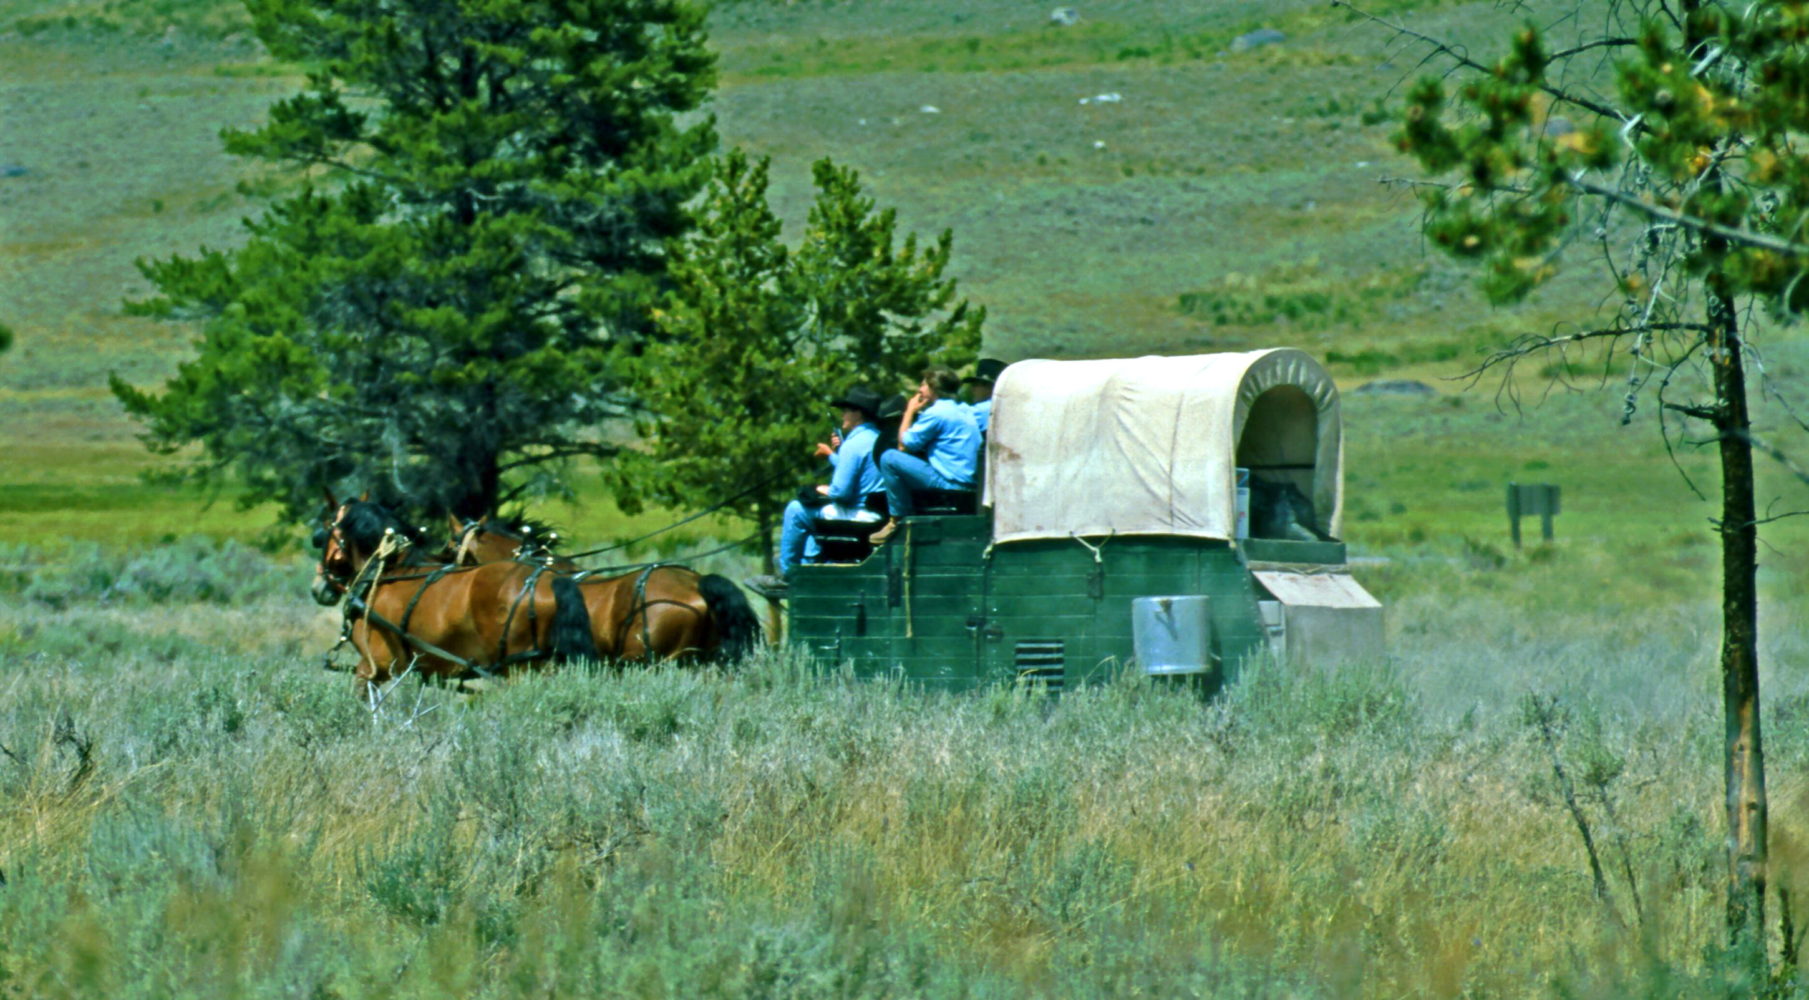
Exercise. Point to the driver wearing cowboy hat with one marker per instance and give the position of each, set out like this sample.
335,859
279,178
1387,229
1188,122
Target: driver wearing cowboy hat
856,475
978,387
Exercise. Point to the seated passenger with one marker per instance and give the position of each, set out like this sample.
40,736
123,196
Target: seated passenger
855,476
891,410
978,388
938,446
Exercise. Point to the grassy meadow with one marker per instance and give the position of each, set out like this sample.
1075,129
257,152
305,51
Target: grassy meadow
189,806
192,808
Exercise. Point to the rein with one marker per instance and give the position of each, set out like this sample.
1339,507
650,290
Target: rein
542,555
706,512
585,574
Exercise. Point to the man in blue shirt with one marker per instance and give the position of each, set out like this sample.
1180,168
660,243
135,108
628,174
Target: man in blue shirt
979,390
938,446
855,476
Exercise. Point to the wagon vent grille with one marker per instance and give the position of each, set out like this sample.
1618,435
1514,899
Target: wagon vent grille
1041,661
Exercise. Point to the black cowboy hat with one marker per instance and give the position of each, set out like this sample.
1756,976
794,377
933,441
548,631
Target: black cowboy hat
859,398
985,370
891,407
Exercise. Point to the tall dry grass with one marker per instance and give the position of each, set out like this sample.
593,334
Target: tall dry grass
188,806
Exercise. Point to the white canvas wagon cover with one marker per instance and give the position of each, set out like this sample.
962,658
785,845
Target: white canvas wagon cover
1142,446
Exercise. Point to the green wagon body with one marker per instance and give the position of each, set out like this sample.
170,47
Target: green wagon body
1108,481
942,606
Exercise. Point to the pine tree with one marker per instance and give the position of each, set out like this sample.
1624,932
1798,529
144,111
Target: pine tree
441,313
757,340
883,312
1665,137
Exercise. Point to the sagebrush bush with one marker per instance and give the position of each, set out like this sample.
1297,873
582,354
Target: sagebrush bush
190,570
185,812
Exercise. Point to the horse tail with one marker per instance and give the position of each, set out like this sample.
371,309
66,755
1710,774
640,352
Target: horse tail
737,627
571,636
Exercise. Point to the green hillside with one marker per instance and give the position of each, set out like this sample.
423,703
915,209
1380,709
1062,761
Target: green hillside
1212,200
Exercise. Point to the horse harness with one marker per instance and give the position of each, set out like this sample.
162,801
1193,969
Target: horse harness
638,604
357,606
502,642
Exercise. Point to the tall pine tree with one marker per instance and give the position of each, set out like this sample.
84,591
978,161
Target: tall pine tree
442,312
758,338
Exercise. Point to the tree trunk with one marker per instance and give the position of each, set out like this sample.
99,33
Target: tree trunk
1745,753
1745,762
480,482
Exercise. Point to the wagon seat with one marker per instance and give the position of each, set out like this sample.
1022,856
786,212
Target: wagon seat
843,539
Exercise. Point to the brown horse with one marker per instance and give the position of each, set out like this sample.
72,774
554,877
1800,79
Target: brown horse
459,621
658,608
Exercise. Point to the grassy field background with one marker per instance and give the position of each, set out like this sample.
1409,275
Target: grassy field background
189,807
1234,201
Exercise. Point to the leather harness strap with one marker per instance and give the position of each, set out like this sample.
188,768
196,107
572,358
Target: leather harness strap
426,581
502,643
640,598
356,606
637,606
421,645
642,606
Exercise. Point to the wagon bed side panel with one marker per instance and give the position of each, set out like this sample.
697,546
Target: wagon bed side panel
939,607
1044,595
909,608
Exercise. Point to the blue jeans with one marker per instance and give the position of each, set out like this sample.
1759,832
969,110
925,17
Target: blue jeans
796,543
904,472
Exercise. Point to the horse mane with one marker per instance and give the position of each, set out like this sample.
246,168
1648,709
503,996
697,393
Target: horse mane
520,525
364,523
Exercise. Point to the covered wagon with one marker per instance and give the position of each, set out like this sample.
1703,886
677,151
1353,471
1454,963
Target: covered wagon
1175,515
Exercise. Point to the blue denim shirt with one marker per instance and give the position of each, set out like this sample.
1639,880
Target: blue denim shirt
945,434
856,473
982,412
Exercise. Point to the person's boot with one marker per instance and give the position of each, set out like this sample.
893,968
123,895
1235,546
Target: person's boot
879,537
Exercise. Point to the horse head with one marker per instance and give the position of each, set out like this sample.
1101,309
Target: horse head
351,536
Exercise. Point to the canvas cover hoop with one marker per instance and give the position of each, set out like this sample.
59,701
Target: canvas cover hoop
1150,445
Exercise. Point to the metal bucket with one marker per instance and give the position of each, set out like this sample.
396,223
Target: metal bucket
1173,635
1275,626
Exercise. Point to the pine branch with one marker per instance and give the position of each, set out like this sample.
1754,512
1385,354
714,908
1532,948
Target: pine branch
1769,518
597,450
1664,427
1732,234
1443,48
1534,343
1599,43
1710,414
1776,454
